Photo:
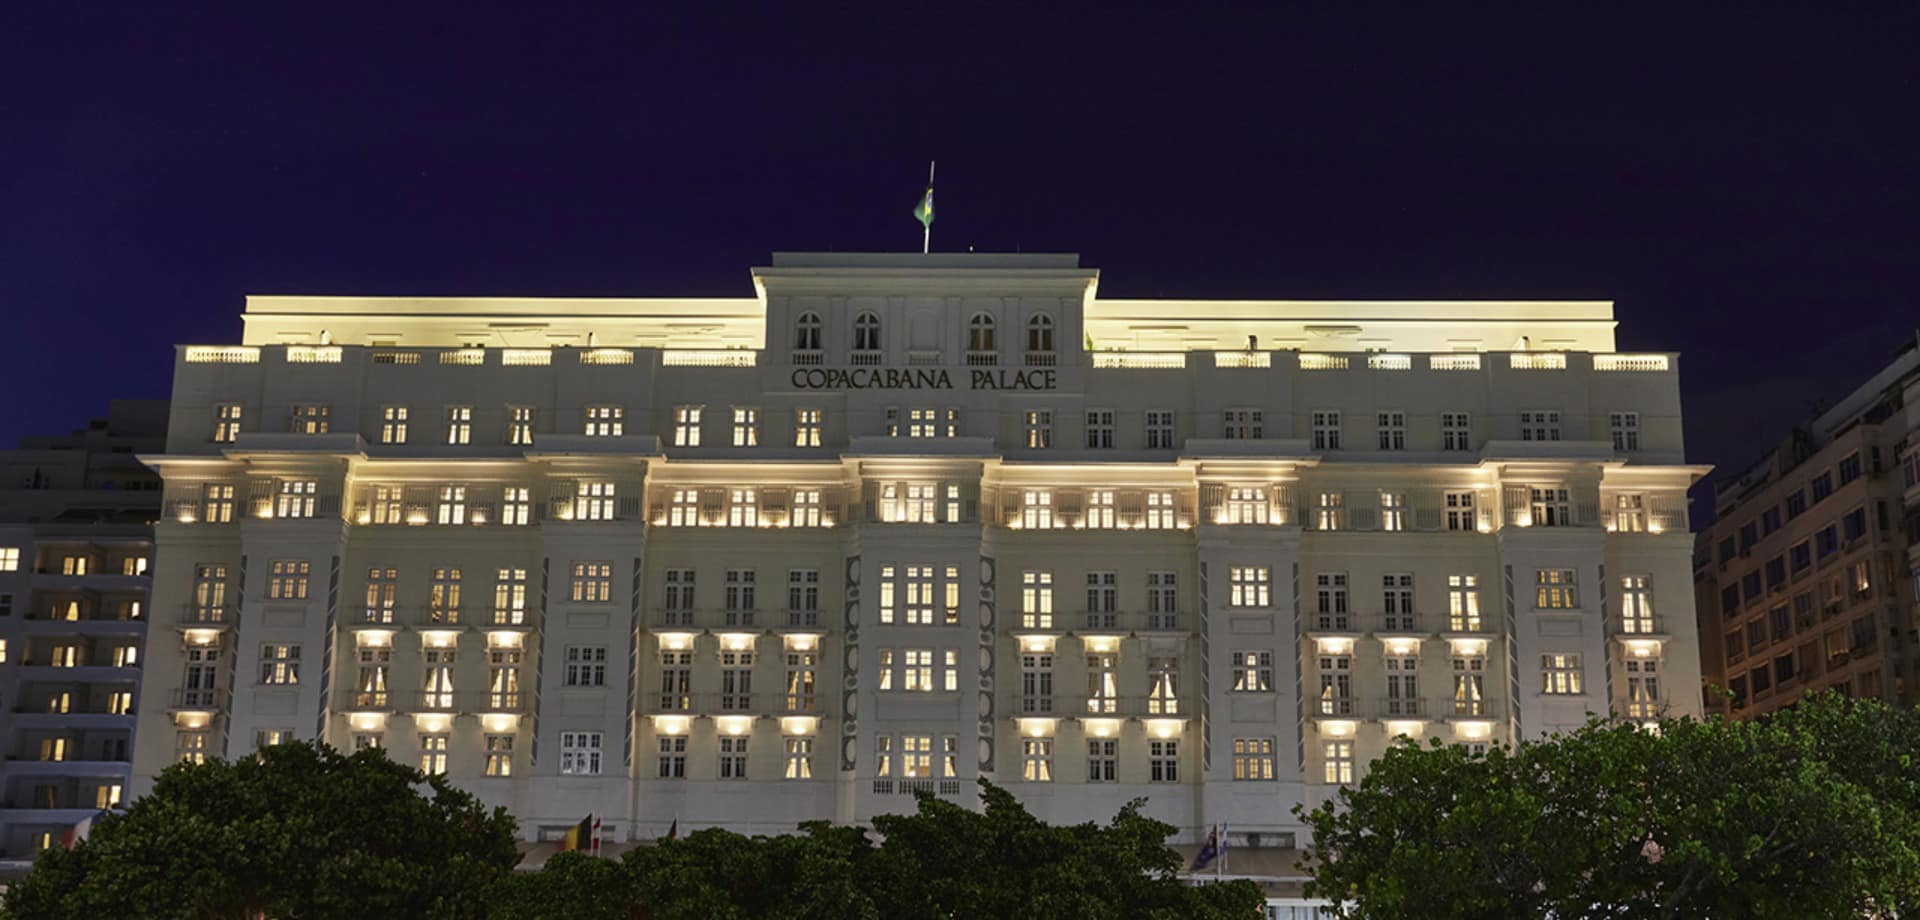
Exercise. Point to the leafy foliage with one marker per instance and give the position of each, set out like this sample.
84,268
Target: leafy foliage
941,861
299,831
304,831
1815,812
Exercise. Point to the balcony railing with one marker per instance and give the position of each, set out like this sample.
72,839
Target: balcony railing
864,359
1399,707
1100,620
808,357
747,704
1400,622
1333,622
465,701
1537,361
1618,362
1466,624
1140,360
1041,359
710,357
982,359
803,618
1453,362
1333,706
205,698
198,615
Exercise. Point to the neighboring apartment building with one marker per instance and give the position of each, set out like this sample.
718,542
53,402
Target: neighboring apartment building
903,521
76,532
1803,581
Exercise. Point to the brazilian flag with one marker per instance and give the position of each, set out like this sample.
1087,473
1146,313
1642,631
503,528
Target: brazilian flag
923,212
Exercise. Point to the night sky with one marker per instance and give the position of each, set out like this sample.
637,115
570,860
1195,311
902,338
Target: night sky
1744,186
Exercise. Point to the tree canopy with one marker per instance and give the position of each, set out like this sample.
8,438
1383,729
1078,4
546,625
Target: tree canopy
1813,812
300,830
303,831
943,860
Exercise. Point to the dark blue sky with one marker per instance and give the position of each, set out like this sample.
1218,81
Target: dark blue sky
1744,185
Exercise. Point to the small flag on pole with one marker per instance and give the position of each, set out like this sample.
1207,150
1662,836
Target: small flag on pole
1208,851
596,836
923,212
579,836
673,830
73,835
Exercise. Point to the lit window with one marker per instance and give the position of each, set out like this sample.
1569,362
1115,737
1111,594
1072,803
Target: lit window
806,427
459,424
499,755
1550,507
1249,586
1329,511
1629,512
516,506
1337,757
606,421
280,664
686,426
1036,600
1560,674
743,508
1253,758
805,509
1554,589
519,430
226,423
9,559
433,754
1253,672
1102,513
592,582
1469,685
746,426
1463,603
294,498
1246,505
1036,509
1460,511
1160,511
1039,428
452,505
594,500
1636,604
1393,511
287,579
312,418
393,424
1036,759
799,758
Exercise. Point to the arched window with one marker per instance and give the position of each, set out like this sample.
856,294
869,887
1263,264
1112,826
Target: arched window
866,332
1040,333
806,332
980,333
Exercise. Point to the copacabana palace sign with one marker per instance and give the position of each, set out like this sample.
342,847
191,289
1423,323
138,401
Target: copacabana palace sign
917,378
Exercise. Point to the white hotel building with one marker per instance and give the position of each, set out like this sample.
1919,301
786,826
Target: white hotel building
901,521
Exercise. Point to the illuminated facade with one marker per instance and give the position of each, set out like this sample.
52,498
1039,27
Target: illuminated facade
76,538
901,521
1805,579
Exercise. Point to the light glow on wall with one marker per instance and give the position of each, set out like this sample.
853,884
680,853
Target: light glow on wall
499,722
1102,644
734,725
1335,645
676,641
1036,644
202,636
1473,731
1410,728
367,721
802,642
1402,646
432,722
670,725
439,638
1469,647
1163,728
1643,648
1337,728
1103,728
1036,728
192,720
736,642
799,725
373,638
503,638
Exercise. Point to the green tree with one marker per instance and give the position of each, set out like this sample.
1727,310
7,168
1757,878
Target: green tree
571,886
298,831
1789,817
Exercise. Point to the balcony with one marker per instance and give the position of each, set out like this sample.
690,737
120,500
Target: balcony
983,359
204,616
1332,622
808,357
510,619
1100,621
1454,708
1342,707
1405,624
431,616
758,705
864,358
1468,625
1399,707
803,618
709,357
452,701
364,701
1041,359
201,699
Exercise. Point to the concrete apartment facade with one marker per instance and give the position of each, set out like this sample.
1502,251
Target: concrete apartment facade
76,531
1804,580
897,522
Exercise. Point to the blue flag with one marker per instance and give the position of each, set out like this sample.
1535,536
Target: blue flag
1208,851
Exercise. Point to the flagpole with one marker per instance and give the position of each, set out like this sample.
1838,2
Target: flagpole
1219,853
926,240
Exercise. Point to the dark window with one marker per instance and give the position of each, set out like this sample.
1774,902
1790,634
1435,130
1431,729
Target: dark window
1749,535
1726,550
1750,584
1761,680
1854,525
1850,468
1769,521
1822,486
1827,541
1783,668
1796,504
1776,572
1800,555
1730,600
1782,622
